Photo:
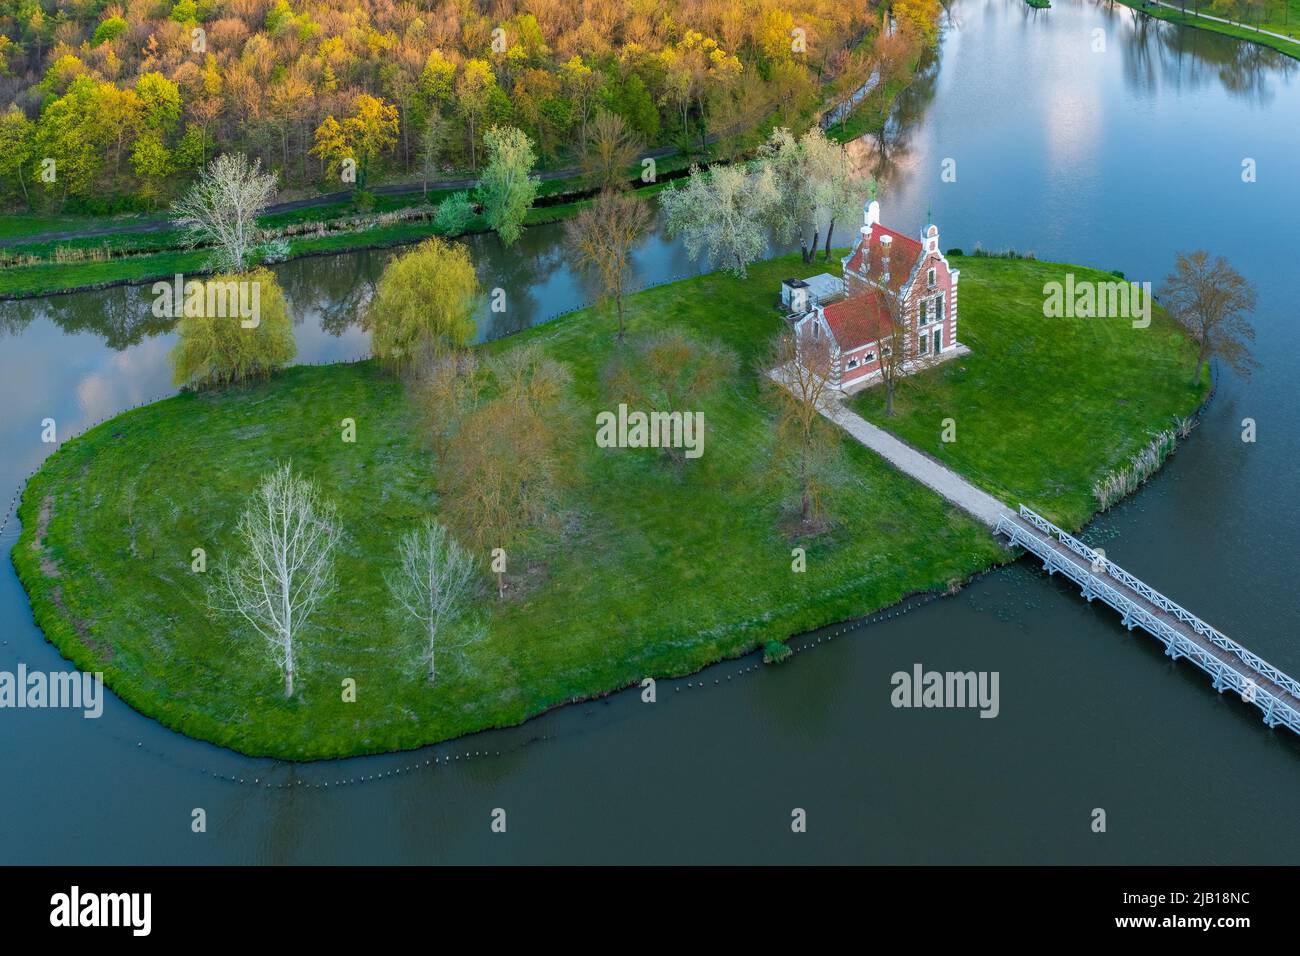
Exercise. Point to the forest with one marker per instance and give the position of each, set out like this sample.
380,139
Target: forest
114,107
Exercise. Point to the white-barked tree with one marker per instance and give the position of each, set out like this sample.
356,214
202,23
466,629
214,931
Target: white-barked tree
286,566
220,210
435,585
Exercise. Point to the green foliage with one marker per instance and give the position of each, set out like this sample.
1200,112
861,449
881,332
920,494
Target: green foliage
188,154
507,189
774,652
213,346
630,99
278,16
185,12
160,100
16,132
108,30
72,129
423,304
454,215
150,157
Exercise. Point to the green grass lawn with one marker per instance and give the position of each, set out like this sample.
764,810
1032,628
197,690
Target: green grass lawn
1278,16
656,575
1043,407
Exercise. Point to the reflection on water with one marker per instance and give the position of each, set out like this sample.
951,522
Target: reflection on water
1113,159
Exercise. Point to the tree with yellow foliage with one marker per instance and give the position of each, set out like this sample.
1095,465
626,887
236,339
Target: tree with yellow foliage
216,344
370,131
424,304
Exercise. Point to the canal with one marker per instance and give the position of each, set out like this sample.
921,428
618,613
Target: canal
1113,154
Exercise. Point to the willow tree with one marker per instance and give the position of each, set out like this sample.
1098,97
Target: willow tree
423,304
815,187
232,328
720,213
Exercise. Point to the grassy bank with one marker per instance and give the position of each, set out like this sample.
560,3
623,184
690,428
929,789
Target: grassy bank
1283,18
1043,407
51,277
657,576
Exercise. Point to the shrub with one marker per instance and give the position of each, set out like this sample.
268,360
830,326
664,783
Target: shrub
774,652
454,214
1122,482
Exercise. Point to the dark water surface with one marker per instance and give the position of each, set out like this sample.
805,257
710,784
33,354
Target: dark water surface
1114,159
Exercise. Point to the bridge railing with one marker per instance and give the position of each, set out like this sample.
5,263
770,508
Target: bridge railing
1225,675
1212,634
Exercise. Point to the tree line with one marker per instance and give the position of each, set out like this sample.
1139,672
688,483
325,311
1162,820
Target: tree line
119,106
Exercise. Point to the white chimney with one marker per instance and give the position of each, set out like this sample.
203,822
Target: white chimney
886,244
870,216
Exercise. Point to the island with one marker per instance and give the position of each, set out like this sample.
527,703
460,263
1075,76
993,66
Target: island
651,564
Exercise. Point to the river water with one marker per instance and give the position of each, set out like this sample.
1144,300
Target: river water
1114,158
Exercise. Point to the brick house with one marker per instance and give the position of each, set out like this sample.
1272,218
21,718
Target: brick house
853,314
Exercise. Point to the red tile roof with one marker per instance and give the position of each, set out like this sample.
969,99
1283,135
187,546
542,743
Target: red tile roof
904,251
858,320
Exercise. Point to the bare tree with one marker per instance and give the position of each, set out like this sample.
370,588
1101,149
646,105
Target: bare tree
289,534
435,585
601,239
1209,300
672,370
432,140
501,465
800,379
449,389
221,208
896,343
610,150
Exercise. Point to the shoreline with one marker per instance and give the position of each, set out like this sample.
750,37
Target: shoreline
1221,26
568,203
60,628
